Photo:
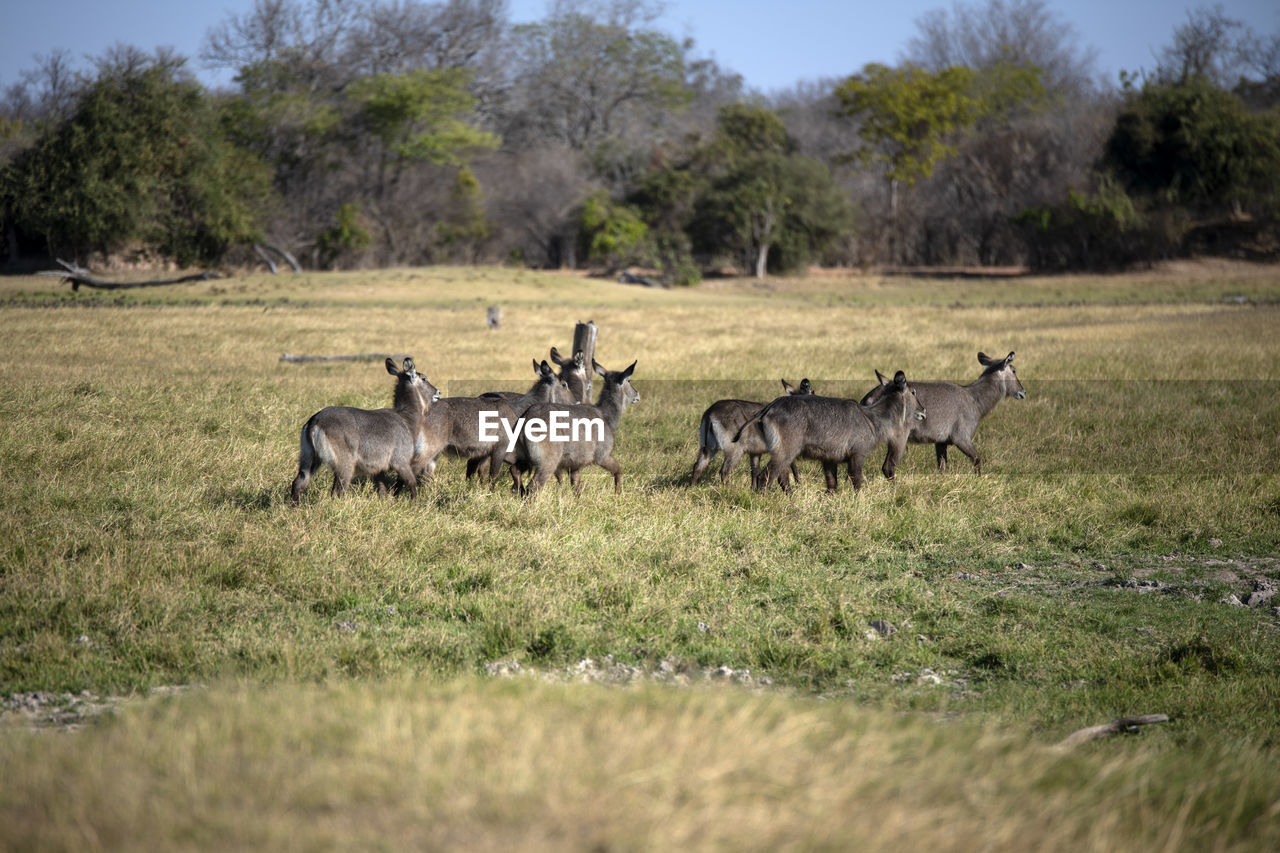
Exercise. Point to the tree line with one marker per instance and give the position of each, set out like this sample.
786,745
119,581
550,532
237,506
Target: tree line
362,133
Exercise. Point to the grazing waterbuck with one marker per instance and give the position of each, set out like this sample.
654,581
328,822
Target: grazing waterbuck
370,442
721,422
956,410
832,431
545,455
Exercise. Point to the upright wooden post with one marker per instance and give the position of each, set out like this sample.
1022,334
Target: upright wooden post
584,341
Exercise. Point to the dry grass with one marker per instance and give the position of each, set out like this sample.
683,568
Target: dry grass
497,767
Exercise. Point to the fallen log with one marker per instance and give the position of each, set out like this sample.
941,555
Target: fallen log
78,276
1122,724
364,356
627,277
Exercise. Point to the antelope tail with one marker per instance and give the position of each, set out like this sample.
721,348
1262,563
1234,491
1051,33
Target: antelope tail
704,433
308,459
315,449
737,436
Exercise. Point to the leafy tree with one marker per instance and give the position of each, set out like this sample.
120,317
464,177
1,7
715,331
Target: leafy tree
1192,143
613,234
911,120
763,197
772,212
464,227
140,160
418,116
667,198
347,235
907,115
1097,230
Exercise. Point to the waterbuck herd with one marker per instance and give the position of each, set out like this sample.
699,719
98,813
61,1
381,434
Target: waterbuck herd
554,428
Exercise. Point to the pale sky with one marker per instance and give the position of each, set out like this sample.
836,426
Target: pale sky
772,44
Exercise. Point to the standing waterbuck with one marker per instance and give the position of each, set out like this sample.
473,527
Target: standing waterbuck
573,371
956,410
370,442
549,388
546,455
721,422
832,431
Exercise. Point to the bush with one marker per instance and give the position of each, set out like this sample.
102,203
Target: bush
610,234
1192,143
1102,230
141,161
347,236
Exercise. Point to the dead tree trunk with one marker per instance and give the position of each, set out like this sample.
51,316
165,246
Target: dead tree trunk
584,341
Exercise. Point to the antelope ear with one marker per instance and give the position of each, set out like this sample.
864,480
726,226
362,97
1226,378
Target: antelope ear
626,374
595,365
545,370
985,360
580,358
900,380
788,387
391,367
806,387
884,380
1008,359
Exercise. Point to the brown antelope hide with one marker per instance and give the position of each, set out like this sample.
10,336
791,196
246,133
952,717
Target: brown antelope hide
721,422
369,442
956,410
544,455
832,431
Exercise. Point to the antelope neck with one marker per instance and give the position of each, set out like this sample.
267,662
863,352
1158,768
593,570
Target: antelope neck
986,392
611,405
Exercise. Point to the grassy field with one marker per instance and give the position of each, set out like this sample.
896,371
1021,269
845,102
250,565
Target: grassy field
371,672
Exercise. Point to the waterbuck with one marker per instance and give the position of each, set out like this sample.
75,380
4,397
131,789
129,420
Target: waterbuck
545,455
956,410
573,371
721,422
371,442
549,388
834,431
